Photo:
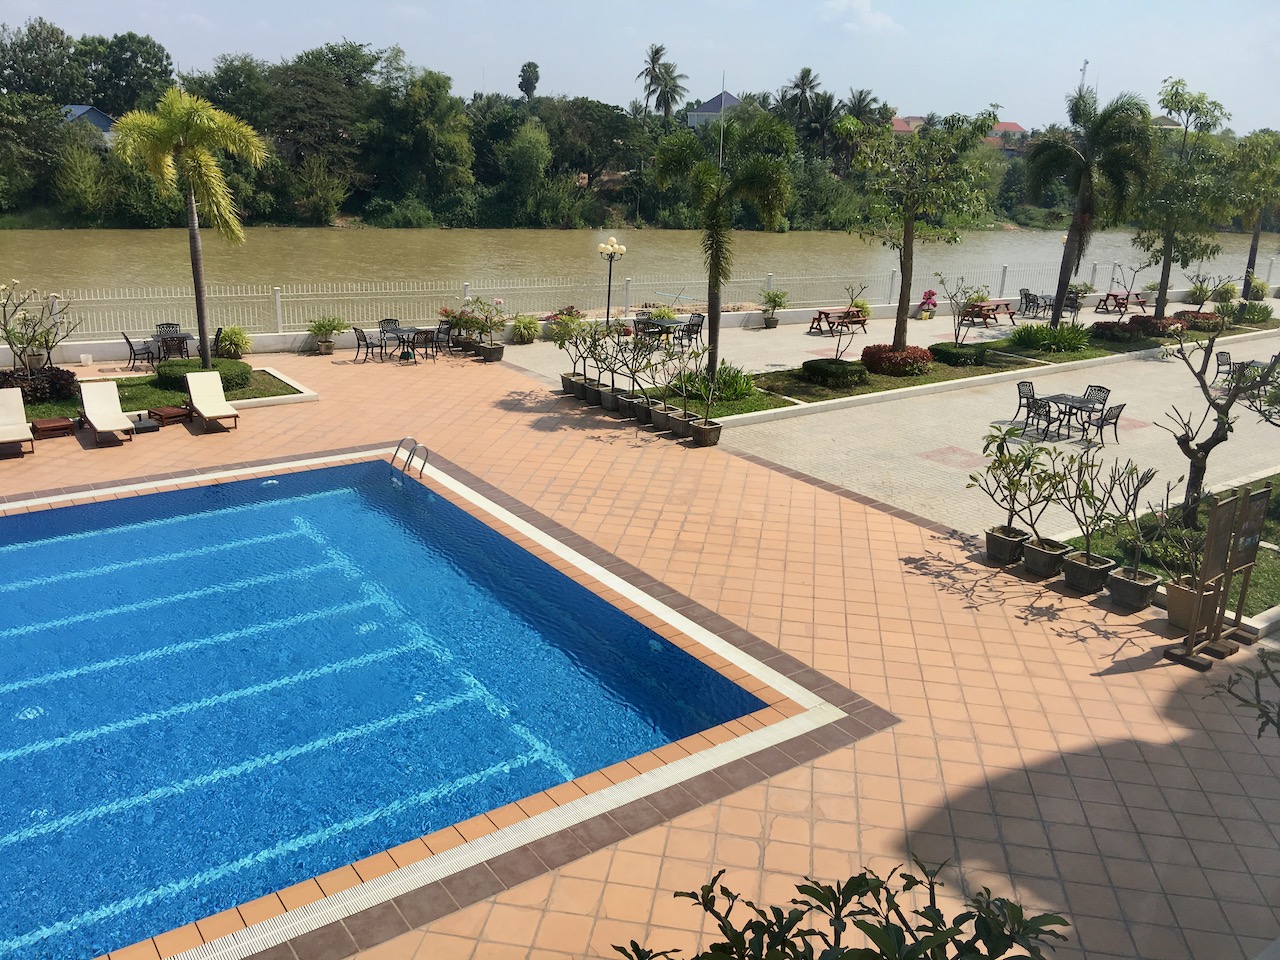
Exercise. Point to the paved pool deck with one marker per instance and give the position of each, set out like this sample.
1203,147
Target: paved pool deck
1045,749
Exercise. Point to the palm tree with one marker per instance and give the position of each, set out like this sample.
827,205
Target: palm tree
862,105
1256,167
1101,153
180,145
825,111
652,64
755,169
668,92
801,90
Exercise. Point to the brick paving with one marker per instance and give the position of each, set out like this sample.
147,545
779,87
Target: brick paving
1044,747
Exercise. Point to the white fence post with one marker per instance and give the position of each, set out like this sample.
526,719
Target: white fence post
279,312
1270,266
1004,274
768,280
626,301
466,292
1093,275
893,277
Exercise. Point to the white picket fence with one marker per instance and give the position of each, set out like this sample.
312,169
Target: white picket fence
262,308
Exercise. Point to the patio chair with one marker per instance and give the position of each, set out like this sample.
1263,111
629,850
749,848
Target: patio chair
13,419
364,346
1029,306
443,337
1071,305
141,352
100,409
424,340
1224,365
1111,418
1041,412
386,329
172,341
217,343
1096,394
691,331
1026,393
207,398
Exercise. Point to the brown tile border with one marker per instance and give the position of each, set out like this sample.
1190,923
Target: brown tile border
384,921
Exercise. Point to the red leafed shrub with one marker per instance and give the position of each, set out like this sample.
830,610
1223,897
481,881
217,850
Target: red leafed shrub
882,358
1156,326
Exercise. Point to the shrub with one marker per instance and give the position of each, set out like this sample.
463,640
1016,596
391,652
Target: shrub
524,328
1199,292
959,355
1258,313
1258,289
910,362
1080,288
1226,293
830,372
732,383
1066,338
172,374
46,384
234,343
1156,326
1115,331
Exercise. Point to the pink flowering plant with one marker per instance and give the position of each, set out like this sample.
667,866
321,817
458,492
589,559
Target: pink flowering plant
930,300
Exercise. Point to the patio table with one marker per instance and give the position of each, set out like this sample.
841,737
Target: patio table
1073,408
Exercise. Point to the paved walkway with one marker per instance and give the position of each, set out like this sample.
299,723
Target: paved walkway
1045,749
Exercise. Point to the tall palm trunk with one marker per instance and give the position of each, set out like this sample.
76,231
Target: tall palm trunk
1070,254
713,330
906,262
1253,253
197,277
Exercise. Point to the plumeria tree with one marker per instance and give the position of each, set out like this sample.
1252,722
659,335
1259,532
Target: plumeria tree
918,186
181,146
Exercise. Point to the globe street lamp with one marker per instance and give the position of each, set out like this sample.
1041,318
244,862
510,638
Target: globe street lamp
610,251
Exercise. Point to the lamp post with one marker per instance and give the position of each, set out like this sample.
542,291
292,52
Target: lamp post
610,251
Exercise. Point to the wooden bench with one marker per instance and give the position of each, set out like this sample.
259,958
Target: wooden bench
842,319
989,311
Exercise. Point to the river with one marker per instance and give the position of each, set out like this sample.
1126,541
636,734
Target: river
54,260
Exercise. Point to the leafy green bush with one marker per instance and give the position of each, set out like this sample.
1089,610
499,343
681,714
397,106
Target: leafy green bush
408,213
1258,289
172,374
1066,338
1258,313
46,384
1115,331
909,362
830,372
1226,293
732,383
959,355
1080,288
234,343
1199,292
524,328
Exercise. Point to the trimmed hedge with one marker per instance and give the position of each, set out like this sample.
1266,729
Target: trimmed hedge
1202,320
959,354
910,362
46,384
1137,327
172,374
829,372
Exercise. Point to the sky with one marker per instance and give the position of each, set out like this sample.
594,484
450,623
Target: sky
957,56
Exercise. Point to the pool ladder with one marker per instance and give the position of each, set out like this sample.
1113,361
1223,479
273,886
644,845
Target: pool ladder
413,446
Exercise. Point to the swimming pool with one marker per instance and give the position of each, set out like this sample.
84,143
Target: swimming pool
212,694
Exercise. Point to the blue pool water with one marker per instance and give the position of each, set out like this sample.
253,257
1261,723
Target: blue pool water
211,694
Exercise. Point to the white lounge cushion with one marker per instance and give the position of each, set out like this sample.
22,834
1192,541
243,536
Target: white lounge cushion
101,402
207,398
13,417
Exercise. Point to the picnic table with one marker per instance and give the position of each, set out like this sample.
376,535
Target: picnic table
848,318
988,311
1120,300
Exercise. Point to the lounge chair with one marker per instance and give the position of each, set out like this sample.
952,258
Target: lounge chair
100,409
207,398
13,419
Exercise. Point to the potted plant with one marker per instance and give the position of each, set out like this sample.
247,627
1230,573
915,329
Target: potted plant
1041,556
1004,480
323,329
235,342
1130,586
32,335
1087,494
524,328
706,432
928,304
486,319
610,359
773,300
1178,551
686,384
567,333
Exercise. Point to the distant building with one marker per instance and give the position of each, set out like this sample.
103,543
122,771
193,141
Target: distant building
712,109
91,115
1167,123
901,126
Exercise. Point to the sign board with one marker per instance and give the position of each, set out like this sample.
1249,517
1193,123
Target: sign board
1245,550
1217,540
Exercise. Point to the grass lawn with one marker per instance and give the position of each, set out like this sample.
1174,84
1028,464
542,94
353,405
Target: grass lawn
1264,587
789,383
722,408
141,393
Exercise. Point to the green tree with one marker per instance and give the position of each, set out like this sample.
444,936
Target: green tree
1103,155
1256,165
180,144
81,185
668,92
239,84
525,159
123,73
31,127
528,80
755,169
917,187
39,58
801,90
1185,199
653,59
